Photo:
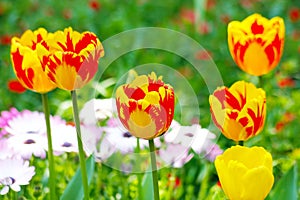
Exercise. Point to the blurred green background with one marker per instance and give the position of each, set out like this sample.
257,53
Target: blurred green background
203,20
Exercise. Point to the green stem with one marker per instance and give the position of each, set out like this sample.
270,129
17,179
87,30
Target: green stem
50,149
204,183
154,170
241,143
260,82
139,175
80,146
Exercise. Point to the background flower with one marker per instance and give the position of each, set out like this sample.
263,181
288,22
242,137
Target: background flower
24,137
97,110
14,173
256,43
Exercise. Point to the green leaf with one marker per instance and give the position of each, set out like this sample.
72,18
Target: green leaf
286,187
147,186
74,189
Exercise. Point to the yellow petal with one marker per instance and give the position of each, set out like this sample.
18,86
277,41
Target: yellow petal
258,183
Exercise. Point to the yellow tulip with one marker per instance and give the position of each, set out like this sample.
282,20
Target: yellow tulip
239,111
245,173
26,64
146,106
256,43
73,58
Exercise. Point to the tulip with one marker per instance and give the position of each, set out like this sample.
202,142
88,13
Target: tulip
30,71
256,43
73,58
239,111
26,64
245,173
146,106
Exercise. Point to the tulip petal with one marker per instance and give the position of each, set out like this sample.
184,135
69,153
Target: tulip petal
259,182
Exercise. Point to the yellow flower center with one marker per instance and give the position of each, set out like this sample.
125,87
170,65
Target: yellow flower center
255,59
140,118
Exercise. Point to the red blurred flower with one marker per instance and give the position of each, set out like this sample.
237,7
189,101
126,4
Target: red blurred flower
94,5
15,86
219,184
279,126
294,14
5,39
225,18
203,55
177,181
210,4
295,34
67,14
188,15
204,28
286,82
286,119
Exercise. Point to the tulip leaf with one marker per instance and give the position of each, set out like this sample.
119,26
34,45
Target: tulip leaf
74,189
286,187
147,187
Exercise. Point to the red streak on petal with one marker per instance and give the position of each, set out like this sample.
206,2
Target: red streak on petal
21,74
88,38
224,96
257,29
244,121
135,94
257,120
233,115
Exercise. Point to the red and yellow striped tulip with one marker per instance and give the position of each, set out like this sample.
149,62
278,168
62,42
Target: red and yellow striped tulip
245,173
239,111
26,64
73,59
256,43
146,106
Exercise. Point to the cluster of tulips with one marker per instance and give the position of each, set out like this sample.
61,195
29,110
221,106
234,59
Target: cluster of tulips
68,60
256,45
146,105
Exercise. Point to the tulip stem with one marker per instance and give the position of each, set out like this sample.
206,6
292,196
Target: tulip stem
260,81
241,143
154,170
139,175
80,146
50,149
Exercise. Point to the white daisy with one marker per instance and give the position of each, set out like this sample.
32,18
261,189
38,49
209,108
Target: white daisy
27,133
13,174
122,139
97,110
5,150
64,139
94,143
175,155
192,136
5,117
